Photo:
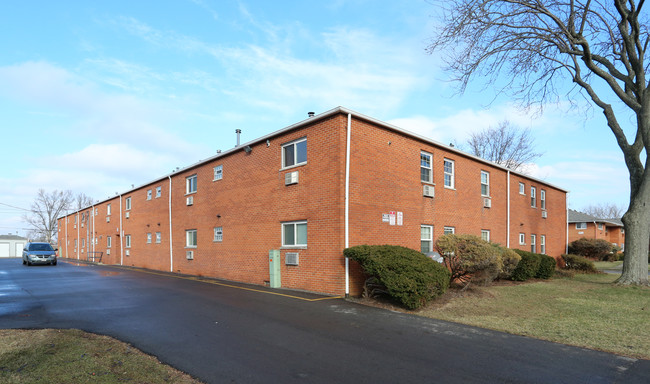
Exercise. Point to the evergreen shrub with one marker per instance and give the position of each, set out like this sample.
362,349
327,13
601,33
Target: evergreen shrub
527,267
579,263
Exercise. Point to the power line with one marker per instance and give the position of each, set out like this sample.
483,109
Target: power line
13,206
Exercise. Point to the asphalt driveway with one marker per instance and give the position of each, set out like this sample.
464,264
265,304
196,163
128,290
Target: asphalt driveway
225,332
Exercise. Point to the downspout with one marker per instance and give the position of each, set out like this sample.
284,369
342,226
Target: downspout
78,234
92,232
171,251
347,205
67,222
566,243
508,213
121,235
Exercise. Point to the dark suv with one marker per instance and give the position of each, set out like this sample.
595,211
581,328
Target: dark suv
39,253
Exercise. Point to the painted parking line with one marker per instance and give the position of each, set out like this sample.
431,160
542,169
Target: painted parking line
202,280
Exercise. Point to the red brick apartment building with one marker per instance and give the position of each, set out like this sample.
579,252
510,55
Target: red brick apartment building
310,190
591,227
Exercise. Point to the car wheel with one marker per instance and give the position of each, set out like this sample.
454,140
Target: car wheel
54,263
24,262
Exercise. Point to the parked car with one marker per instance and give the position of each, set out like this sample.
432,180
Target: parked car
39,253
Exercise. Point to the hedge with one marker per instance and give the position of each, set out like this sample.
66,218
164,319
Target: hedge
579,263
409,277
469,258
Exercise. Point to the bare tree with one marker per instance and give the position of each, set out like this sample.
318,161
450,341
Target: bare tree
505,145
45,210
81,201
537,47
604,211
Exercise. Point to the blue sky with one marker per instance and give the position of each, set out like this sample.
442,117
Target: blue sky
96,96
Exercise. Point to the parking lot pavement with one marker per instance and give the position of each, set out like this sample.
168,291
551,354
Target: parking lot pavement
226,332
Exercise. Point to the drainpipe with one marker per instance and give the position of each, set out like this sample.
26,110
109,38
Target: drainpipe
171,249
566,243
78,239
121,235
508,213
92,232
347,205
67,221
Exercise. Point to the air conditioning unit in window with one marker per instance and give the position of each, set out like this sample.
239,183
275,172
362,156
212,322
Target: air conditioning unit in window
189,200
291,258
127,214
291,178
487,202
428,191
127,253
544,214
108,252
108,219
190,255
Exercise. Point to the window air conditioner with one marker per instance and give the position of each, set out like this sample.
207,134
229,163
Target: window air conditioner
108,252
487,202
428,191
189,200
108,219
291,258
291,178
127,214
544,214
126,252
190,255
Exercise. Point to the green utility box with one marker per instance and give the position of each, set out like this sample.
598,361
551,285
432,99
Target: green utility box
274,268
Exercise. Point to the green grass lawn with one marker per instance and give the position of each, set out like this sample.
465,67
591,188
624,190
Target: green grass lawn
586,311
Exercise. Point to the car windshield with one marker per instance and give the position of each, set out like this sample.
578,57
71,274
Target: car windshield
40,247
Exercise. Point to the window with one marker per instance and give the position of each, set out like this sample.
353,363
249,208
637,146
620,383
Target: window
108,242
542,199
75,243
581,225
485,183
158,192
622,230
83,243
127,241
449,230
128,203
426,238
600,226
218,172
149,238
294,234
108,209
190,238
533,239
449,173
522,239
542,244
426,172
218,234
294,153
149,194
190,184
522,189
75,218
485,235
158,237
533,202
96,211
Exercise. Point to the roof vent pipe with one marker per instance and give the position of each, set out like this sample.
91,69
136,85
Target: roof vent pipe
310,114
238,132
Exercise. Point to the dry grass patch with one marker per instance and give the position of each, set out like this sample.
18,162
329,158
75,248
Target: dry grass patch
73,356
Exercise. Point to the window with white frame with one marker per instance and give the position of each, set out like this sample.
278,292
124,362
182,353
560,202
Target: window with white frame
522,239
83,243
218,234
294,153
128,203
485,235
158,237
127,241
426,238
533,240
542,244
108,210
75,243
533,197
449,230
218,172
149,194
294,234
485,183
149,238
190,238
581,225
600,226
449,173
158,192
426,170
542,199
190,184
522,188
108,242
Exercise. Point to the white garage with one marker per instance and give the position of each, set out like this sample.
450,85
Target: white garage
12,245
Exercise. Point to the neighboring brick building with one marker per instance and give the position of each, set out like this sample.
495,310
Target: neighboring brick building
300,191
590,227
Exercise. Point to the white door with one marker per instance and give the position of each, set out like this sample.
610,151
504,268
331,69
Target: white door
4,250
19,249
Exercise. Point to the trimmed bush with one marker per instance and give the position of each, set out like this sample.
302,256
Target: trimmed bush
408,276
509,261
469,258
597,249
527,267
579,263
546,267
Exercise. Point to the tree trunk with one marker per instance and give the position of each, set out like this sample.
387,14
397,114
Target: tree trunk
637,239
